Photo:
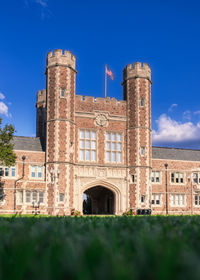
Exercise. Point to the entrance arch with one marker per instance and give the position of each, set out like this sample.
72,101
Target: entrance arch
98,201
102,198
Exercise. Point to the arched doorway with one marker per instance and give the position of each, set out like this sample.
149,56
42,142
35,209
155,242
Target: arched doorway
98,200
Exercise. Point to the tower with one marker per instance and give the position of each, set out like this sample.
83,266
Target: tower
60,80
41,116
137,93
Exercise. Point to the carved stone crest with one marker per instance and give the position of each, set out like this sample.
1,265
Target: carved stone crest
101,120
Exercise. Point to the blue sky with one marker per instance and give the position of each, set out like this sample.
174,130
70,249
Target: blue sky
165,34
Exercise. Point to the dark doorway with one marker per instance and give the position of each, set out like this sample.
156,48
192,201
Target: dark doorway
98,201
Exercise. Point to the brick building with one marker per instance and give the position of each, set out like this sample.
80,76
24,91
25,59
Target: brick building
95,154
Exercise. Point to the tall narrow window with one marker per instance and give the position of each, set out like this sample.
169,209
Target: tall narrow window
142,151
62,93
113,147
87,145
142,102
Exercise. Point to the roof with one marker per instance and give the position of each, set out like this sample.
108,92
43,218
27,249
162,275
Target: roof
175,154
27,143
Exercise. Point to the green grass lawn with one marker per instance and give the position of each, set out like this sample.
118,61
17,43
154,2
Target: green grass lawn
100,248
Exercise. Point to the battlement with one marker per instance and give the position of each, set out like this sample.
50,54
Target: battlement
60,57
41,96
138,69
90,104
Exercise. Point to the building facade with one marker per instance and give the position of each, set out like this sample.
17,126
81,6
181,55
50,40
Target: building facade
95,155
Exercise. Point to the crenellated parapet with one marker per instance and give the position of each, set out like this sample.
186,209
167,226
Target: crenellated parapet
137,70
61,58
90,104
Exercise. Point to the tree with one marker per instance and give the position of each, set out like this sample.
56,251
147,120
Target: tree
7,155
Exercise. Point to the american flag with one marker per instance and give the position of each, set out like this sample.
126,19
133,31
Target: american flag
109,73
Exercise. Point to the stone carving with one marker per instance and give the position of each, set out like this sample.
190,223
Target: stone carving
101,120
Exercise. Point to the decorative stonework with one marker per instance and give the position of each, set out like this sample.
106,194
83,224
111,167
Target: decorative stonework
101,120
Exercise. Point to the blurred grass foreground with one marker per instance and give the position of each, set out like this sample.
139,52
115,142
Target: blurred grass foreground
100,248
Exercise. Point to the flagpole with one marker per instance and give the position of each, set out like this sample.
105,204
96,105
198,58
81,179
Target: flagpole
105,82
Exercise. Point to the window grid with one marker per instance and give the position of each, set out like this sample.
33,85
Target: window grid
177,178
156,177
178,199
87,145
36,172
113,147
31,196
197,200
156,199
8,171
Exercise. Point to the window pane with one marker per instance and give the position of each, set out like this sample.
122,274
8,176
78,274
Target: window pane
114,146
108,146
41,197
113,156
93,155
39,171
93,145
119,146
28,196
119,137
34,196
82,144
113,137
81,155
108,156
33,171
93,135
119,157
1,171
61,197
87,134
87,155
108,136
87,144
6,171
13,171
81,134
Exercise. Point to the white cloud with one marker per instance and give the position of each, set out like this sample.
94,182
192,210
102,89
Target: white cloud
43,3
171,132
2,96
187,115
197,112
3,109
172,107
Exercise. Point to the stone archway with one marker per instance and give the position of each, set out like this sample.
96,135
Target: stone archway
117,208
98,200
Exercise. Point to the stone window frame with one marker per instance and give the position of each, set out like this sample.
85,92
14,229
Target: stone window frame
198,200
175,176
31,191
116,151
10,172
160,177
160,199
65,92
142,151
143,198
172,200
90,149
142,102
36,177
61,195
